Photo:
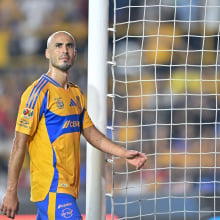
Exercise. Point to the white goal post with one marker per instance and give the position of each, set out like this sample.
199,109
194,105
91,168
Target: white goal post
97,106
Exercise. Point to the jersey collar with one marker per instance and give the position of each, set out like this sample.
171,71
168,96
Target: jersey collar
52,80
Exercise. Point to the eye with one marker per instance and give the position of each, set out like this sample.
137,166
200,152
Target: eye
58,45
70,45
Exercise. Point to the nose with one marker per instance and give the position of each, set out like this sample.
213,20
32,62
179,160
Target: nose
65,49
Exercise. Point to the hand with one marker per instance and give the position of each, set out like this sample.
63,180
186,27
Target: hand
10,204
136,158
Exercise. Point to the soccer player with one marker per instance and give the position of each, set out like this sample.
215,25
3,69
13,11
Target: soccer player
51,117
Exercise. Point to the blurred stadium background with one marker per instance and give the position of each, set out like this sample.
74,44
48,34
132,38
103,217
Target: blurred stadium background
24,28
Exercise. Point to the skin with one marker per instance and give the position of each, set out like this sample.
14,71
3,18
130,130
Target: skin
61,53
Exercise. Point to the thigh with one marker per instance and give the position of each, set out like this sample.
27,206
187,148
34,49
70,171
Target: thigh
58,206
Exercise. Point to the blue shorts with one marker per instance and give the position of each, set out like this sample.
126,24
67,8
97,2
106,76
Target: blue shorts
58,206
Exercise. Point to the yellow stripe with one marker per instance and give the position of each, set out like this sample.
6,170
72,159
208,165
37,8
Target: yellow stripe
51,206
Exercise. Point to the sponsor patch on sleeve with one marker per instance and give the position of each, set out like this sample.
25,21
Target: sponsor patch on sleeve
28,113
24,123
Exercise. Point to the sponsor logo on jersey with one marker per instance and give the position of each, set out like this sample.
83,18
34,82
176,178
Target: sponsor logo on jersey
24,123
71,124
28,113
64,205
67,213
72,103
59,103
64,185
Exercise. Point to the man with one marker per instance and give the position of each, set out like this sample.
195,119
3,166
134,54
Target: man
51,117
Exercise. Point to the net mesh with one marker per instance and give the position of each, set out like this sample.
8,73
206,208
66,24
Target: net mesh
164,99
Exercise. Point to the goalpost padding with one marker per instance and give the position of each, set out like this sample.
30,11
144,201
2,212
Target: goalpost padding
164,96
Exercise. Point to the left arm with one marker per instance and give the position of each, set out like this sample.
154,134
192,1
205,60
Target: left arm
101,142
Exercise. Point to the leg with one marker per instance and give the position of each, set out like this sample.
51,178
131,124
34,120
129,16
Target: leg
58,206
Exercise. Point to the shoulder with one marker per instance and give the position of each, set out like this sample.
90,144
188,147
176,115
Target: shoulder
37,86
35,90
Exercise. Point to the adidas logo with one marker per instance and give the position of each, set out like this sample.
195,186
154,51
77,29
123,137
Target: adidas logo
72,103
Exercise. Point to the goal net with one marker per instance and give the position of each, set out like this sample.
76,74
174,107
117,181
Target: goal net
164,100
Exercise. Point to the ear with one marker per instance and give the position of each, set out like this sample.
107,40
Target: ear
47,55
75,53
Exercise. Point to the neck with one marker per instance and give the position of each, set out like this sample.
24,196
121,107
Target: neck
59,76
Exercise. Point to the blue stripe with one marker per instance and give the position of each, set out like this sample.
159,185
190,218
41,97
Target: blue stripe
38,93
54,184
43,106
42,209
39,85
58,125
35,87
51,80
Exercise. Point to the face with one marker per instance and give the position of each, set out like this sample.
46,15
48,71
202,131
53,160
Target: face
61,51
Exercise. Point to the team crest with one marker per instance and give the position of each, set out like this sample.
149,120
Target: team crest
59,103
28,113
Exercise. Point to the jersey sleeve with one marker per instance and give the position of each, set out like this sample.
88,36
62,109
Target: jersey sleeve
86,120
29,111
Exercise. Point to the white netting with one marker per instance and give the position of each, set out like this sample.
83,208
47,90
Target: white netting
164,96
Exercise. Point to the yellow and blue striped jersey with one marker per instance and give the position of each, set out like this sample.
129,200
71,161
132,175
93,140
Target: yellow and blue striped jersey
54,118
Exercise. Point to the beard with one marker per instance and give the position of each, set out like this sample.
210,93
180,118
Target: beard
64,66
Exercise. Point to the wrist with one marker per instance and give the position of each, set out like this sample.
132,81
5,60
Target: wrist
12,189
124,153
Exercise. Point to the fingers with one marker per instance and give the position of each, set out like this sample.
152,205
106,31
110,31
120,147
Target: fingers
131,154
142,160
136,158
141,163
8,211
143,155
10,214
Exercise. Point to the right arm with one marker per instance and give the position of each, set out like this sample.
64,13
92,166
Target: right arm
101,142
10,202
